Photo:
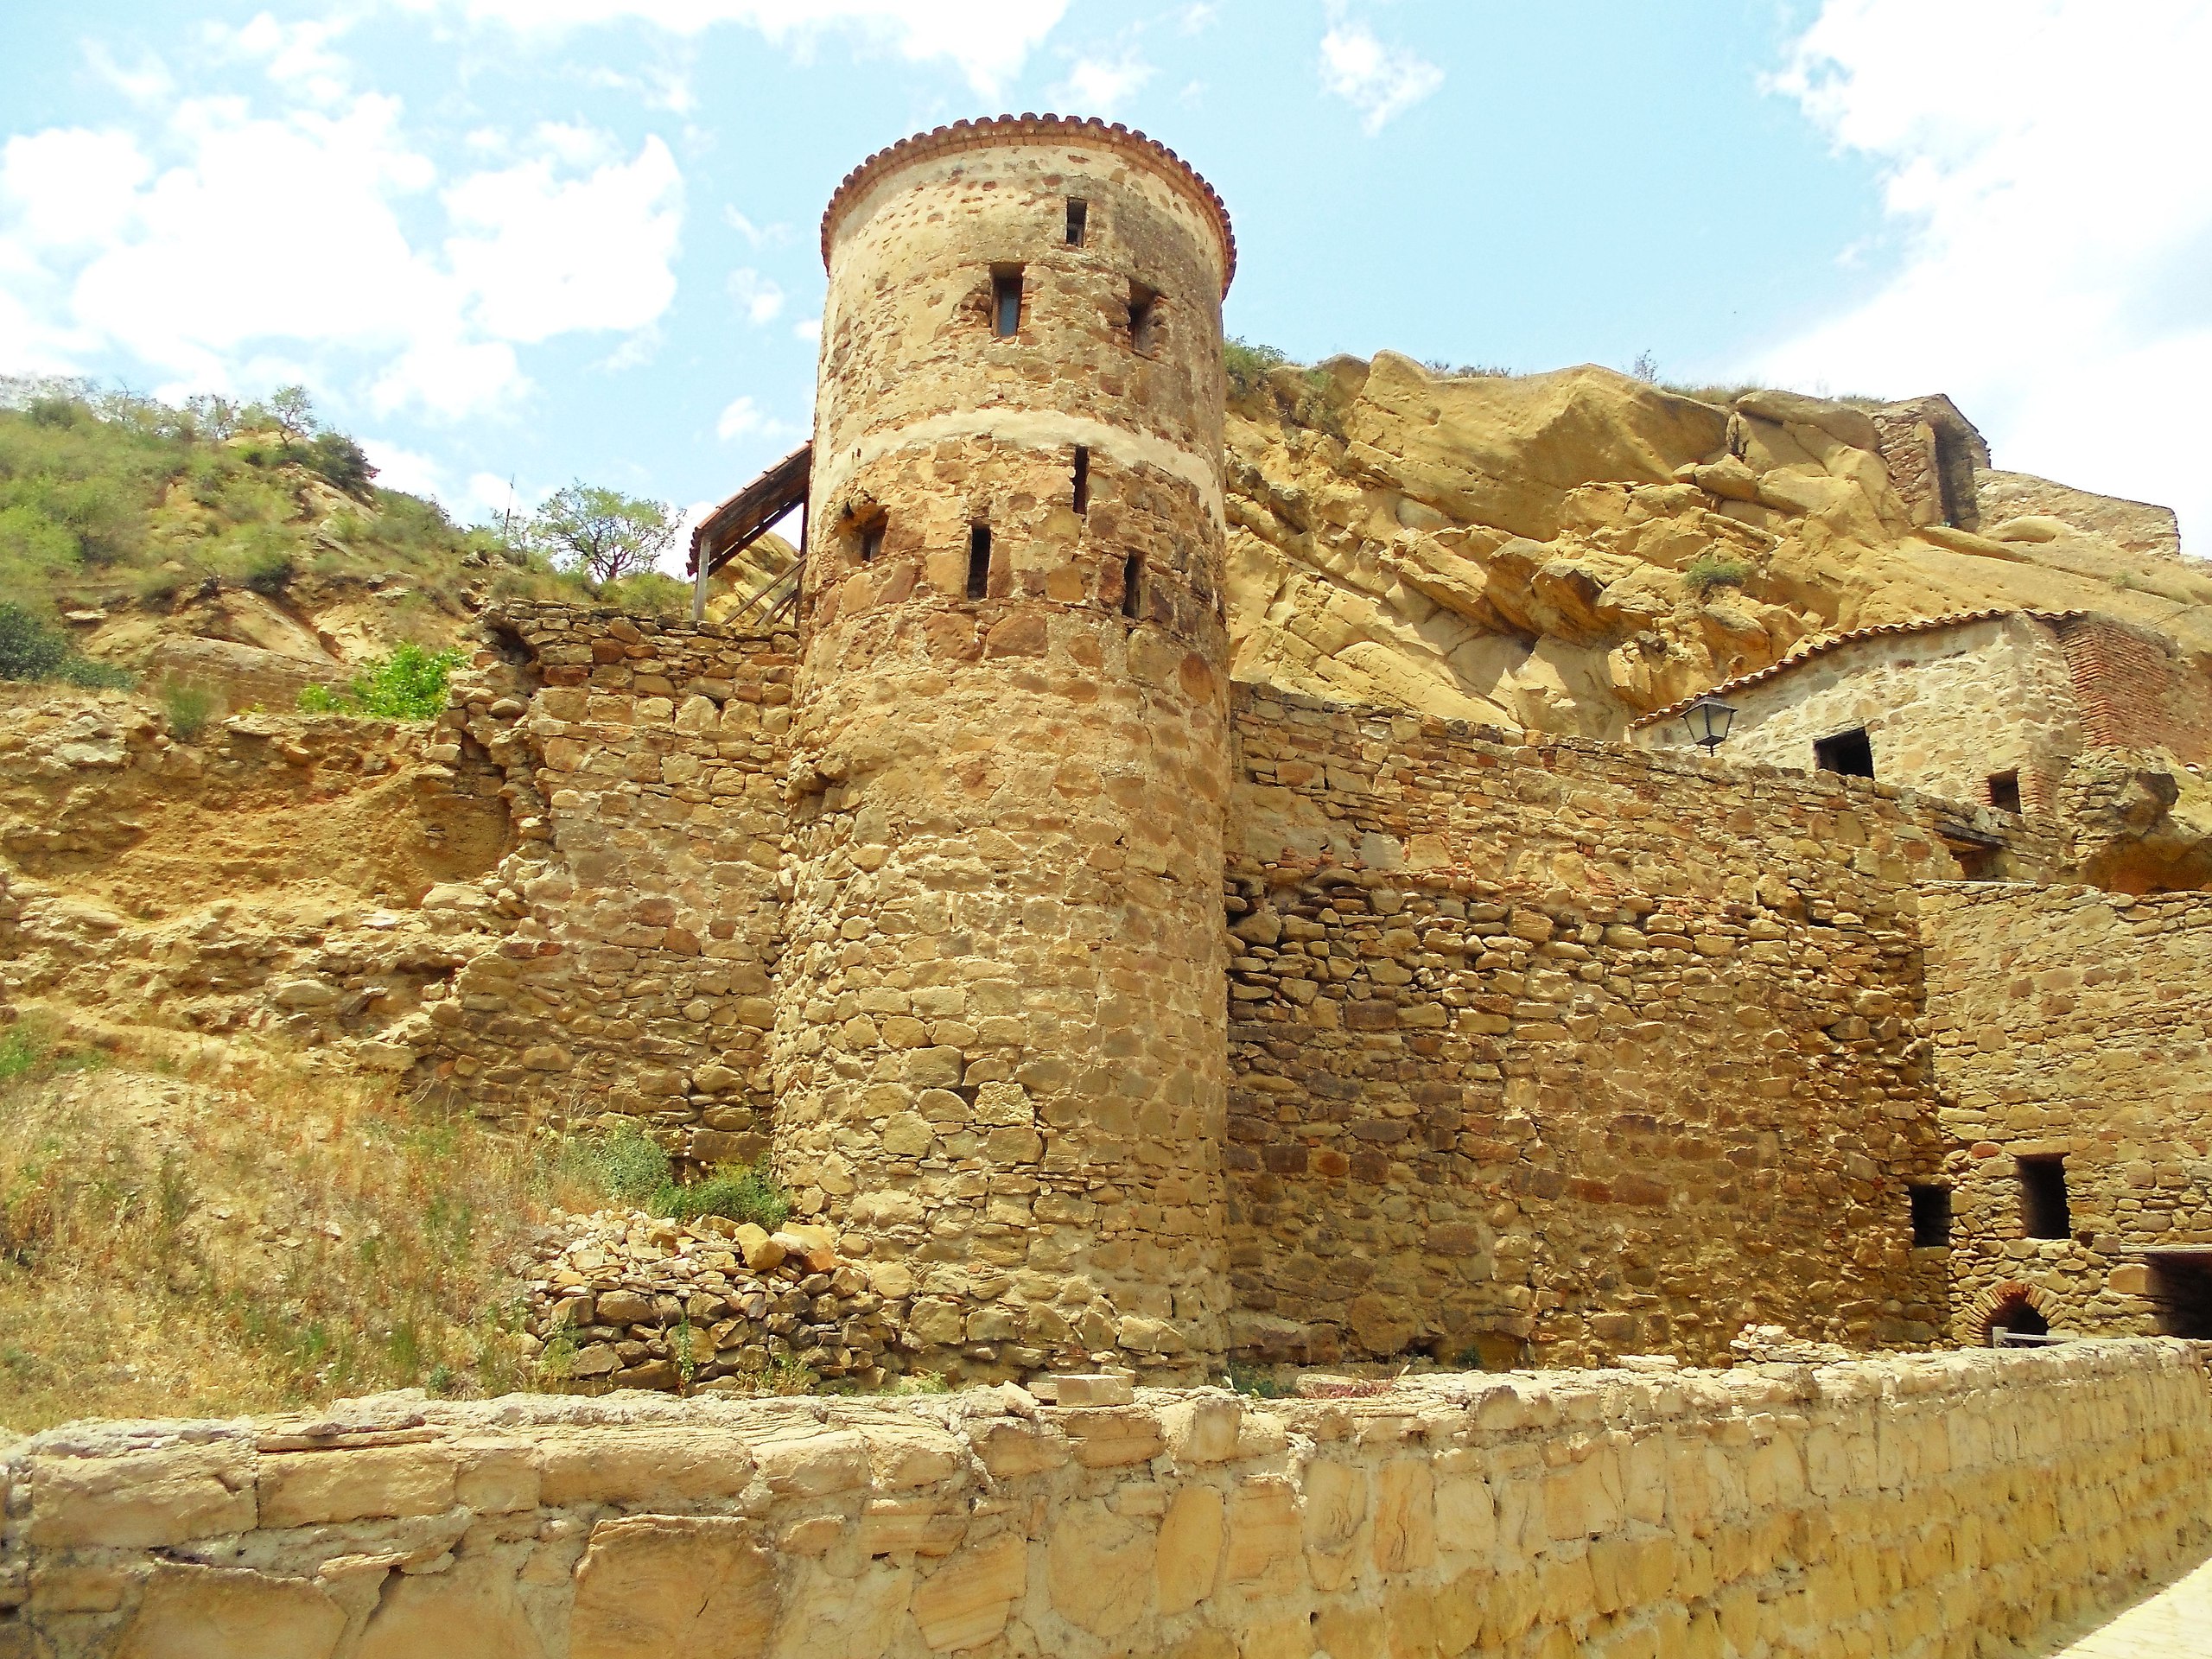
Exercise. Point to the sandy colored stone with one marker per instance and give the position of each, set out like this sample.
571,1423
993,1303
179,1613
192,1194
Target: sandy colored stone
201,1612
141,1498
674,1587
966,1601
301,1489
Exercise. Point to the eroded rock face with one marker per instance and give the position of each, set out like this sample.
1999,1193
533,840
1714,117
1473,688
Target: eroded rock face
1565,551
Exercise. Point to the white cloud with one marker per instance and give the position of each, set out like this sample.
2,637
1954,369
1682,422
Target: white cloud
215,238
808,328
543,256
759,235
758,296
746,419
1377,81
2056,237
988,40
406,470
1102,85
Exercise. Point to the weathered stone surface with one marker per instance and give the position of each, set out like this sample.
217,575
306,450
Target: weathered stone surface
1906,1505
144,1498
654,1586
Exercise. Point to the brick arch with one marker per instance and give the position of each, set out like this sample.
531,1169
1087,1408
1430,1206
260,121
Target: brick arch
1992,1303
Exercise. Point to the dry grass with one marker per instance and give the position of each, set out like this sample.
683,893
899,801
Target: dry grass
265,1237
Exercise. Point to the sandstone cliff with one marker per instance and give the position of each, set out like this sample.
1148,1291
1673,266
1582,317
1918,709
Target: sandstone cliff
1565,551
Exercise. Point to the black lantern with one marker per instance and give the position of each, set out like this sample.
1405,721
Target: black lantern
1709,719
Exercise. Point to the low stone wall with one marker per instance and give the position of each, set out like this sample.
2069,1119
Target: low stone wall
1932,1506
2074,1024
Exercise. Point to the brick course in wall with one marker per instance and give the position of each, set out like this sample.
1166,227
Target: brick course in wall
2132,692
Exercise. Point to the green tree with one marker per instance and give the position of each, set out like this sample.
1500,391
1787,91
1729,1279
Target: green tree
602,534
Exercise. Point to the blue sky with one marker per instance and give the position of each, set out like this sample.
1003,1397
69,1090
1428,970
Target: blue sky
541,239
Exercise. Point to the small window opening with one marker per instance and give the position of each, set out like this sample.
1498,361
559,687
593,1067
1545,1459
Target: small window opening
1079,220
1931,1217
1133,585
2181,1296
979,561
1848,753
2005,791
1082,479
871,541
1144,319
2042,1199
2016,1316
1005,301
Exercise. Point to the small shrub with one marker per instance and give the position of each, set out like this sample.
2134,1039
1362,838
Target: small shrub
628,1166
1250,1379
1710,571
270,571
189,707
1645,368
341,460
734,1191
32,648
409,684
1249,365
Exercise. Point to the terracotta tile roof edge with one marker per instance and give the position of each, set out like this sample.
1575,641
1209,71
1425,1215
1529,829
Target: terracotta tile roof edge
1805,651
964,134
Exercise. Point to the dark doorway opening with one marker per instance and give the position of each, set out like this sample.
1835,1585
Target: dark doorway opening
1082,478
2044,1212
1079,220
2181,1295
1133,585
1931,1217
2016,1316
1144,319
2005,791
1849,753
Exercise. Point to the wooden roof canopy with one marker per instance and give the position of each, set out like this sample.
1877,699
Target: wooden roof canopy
744,518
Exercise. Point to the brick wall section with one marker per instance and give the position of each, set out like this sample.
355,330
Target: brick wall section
2133,693
1560,1048
1920,1508
644,762
2072,1022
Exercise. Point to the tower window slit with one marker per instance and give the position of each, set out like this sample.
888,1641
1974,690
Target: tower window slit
1931,1217
1082,479
871,541
1144,319
1079,220
2005,791
979,561
1133,585
1006,301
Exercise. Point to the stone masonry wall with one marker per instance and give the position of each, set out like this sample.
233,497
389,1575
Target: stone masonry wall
999,1052
1555,1048
639,919
2075,1023
1914,1507
1943,710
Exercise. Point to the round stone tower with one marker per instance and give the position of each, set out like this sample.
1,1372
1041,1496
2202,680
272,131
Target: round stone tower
1000,1046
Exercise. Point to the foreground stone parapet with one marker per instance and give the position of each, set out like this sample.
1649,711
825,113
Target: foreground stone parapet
1908,1506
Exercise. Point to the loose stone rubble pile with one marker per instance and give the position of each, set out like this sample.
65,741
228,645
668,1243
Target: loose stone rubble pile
635,1301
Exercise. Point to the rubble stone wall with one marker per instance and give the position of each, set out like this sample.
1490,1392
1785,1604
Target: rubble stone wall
639,917
1558,1048
999,1055
1943,710
2138,526
1916,1508
2075,1023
